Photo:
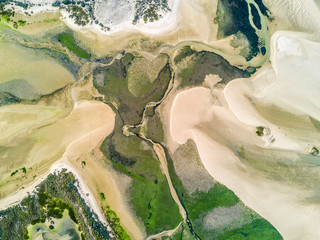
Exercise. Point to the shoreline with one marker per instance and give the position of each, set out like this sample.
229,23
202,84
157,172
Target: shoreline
19,195
91,138
164,25
83,189
180,25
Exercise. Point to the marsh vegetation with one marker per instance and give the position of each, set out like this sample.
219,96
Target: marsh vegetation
134,84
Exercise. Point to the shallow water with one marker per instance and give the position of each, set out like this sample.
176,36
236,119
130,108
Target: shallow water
41,72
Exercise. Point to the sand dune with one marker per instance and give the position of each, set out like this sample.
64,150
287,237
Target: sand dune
290,83
301,14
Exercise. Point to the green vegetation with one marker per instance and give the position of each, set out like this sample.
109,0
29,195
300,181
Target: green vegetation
112,81
127,59
155,130
142,73
57,194
24,170
51,20
8,14
102,197
148,10
25,234
7,98
14,172
314,151
149,192
14,219
218,196
260,131
21,22
200,203
53,207
78,14
150,195
68,192
204,63
184,52
257,229
67,39
232,17
114,221
255,16
151,14
182,233
83,164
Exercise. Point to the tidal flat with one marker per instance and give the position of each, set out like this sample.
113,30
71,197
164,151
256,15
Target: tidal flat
175,120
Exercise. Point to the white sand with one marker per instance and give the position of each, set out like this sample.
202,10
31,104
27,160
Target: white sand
189,21
189,111
301,14
98,120
276,202
217,119
292,83
90,138
163,25
164,168
82,187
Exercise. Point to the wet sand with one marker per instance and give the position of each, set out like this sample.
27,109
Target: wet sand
219,119
20,63
85,122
